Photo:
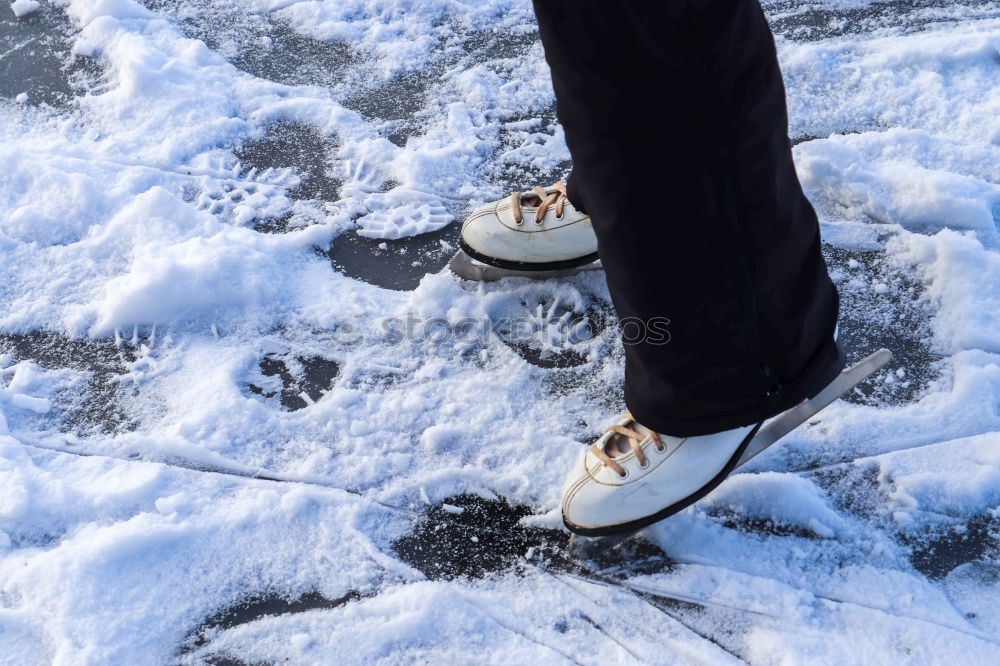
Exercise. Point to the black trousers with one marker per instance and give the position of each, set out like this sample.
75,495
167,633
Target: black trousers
674,113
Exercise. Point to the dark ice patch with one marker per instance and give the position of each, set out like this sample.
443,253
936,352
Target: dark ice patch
399,98
935,551
883,305
301,148
468,536
854,489
35,57
259,45
102,405
289,378
403,262
251,610
764,527
281,54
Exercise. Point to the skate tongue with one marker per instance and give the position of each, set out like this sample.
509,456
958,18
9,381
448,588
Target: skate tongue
534,197
619,436
618,445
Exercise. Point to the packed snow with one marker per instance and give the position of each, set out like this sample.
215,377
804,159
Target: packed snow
247,414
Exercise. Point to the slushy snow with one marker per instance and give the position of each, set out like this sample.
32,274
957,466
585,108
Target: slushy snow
155,475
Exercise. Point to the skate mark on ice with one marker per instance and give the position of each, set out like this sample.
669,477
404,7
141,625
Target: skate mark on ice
564,579
213,182
690,615
220,466
620,642
521,632
473,532
218,168
722,625
883,306
834,601
436,546
297,381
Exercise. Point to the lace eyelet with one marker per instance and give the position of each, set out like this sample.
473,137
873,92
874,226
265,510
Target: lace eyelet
623,475
519,222
538,222
644,465
559,217
660,449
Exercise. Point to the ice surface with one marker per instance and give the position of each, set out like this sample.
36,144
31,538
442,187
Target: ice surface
246,416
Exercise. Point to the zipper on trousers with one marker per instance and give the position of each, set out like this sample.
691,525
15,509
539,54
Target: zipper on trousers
771,384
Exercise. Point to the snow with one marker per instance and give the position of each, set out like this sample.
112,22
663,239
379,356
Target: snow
963,279
402,216
906,177
24,7
956,478
784,499
205,405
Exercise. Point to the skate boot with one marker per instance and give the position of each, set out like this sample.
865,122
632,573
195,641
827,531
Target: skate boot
538,233
633,477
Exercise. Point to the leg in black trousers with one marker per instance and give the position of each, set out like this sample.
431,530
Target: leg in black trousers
675,117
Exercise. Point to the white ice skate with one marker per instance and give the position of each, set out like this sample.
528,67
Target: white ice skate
633,477
536,234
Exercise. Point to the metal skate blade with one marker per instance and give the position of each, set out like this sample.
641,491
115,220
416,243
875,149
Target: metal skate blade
468,268
587,548
785,422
